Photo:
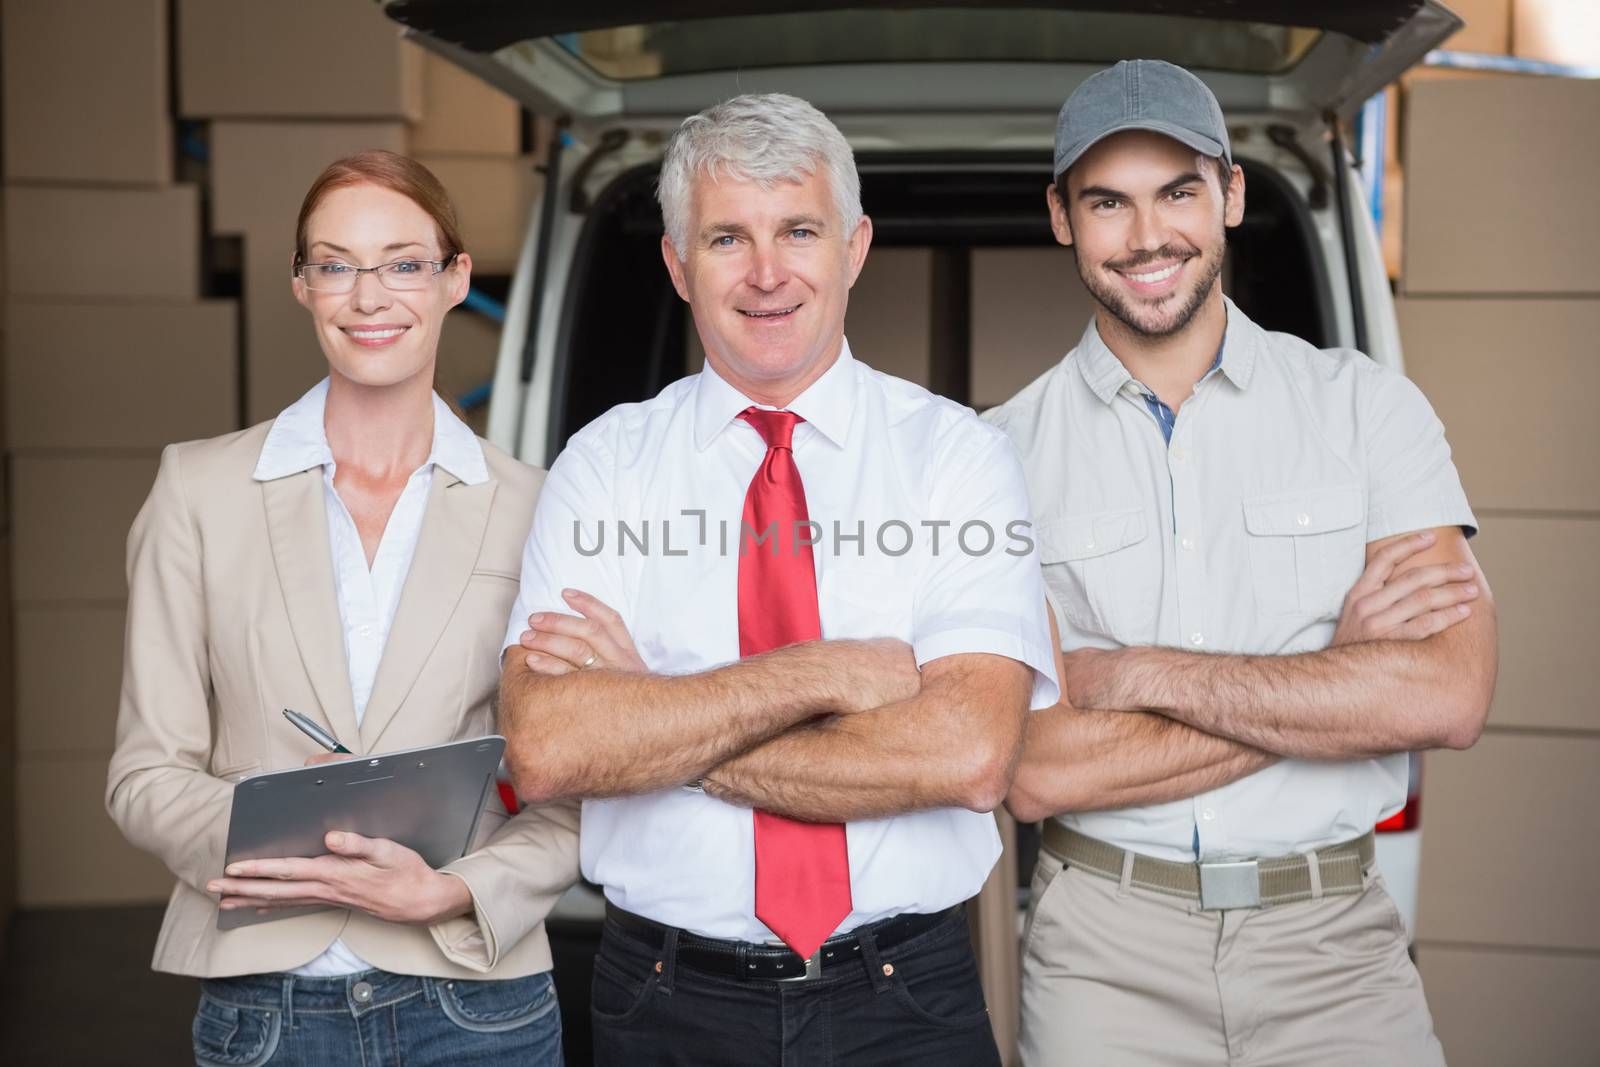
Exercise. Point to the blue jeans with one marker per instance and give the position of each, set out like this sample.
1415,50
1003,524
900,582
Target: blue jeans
378,1019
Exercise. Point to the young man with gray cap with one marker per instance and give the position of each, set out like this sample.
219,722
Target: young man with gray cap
1263,605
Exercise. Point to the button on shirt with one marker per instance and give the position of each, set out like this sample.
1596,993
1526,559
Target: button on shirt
1241,535
643,510
367,596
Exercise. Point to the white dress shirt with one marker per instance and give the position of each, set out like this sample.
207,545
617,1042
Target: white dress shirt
873,452
367,596
1243,535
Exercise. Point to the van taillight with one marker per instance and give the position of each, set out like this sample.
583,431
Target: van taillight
1410,816
508,797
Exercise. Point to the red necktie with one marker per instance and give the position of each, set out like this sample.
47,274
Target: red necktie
802,868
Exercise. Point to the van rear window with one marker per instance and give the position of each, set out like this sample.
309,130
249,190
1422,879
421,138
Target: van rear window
943,35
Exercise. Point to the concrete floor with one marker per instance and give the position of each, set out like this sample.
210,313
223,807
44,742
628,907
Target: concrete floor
78,991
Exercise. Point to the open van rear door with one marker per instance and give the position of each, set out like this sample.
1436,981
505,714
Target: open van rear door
596,62
897,76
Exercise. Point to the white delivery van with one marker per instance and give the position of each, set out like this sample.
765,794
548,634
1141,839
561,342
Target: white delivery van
951,111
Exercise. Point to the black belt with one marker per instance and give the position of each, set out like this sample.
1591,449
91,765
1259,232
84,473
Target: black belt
744,959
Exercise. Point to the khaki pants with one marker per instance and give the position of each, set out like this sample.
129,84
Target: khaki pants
1113,977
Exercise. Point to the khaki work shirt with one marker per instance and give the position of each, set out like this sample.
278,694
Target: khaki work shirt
1241,536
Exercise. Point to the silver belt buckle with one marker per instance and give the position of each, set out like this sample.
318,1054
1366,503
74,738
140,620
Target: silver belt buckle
813,969
1230,885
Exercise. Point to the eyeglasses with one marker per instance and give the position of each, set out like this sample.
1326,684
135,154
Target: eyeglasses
399,276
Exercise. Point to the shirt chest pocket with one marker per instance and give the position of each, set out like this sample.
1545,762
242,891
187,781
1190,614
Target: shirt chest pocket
1103,569
1306,549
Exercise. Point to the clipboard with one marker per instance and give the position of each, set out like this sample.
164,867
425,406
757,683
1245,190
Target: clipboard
428,799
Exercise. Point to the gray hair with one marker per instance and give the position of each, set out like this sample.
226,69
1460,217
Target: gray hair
764,138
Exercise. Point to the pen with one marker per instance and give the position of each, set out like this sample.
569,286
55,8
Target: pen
315,732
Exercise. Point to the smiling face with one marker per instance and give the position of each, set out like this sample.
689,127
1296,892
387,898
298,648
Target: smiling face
1147,217
373,335
767,274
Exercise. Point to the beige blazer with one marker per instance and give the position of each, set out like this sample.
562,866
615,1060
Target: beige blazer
232,617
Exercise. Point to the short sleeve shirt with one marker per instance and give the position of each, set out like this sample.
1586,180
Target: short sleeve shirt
1242,535
921,533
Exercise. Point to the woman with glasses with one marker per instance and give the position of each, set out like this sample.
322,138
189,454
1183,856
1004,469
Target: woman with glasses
355,559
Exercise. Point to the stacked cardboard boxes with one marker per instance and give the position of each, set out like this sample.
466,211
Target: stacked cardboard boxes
109,353
471,136
1500,310
1557,31
61,123
1564,32
1487,32
299,59
111,350
289,88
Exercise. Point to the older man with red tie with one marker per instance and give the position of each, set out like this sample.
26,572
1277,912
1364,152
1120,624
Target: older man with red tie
779,628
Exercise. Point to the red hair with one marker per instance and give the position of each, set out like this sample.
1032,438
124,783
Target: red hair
387,170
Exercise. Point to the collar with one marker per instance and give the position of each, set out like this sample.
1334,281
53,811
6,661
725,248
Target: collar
1105,374
1239,341
298,441
828,403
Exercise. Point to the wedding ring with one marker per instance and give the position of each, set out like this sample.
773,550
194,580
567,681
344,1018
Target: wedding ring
590,661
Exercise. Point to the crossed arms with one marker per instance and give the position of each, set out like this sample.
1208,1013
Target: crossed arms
1412,666
841,730
827,731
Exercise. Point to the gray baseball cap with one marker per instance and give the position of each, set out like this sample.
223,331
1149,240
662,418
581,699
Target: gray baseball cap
1140,94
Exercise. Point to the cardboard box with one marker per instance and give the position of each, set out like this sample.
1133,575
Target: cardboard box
1427,75
125,243
69,678
494,197
61,122
70,520
1488,27
71,852
1029,309
461,115
1511,380
1506,825
282,356
1493,1007
1497,176
1557,31
260,172
469,347
1392,109
120,375
1422,75
294,59
1394,220
888,317
1546,582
